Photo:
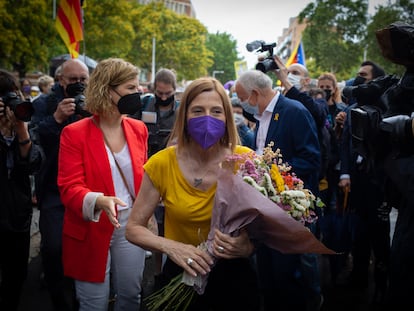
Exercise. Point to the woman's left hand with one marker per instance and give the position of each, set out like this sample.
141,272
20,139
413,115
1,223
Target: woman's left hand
226,246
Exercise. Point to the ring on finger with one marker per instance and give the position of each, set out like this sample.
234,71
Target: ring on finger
189,261
220,249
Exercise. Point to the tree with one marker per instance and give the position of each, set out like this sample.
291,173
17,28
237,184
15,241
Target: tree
402,10
26,28
180,41
224,49
108,29
335,29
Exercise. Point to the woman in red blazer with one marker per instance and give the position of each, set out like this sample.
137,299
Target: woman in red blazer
100,171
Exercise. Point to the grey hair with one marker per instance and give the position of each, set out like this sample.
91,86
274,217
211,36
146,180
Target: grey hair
254,79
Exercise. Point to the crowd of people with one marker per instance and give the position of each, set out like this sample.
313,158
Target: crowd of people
120,176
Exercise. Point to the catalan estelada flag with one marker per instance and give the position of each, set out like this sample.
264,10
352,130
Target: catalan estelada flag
69,25
297,56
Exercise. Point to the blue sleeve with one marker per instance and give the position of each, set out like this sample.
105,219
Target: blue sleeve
246,136
317,108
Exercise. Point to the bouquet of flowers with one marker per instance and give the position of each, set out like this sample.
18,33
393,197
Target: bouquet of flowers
273,178
258,193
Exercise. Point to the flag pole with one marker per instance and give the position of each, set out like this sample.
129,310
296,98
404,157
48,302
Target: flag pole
83,31
153,60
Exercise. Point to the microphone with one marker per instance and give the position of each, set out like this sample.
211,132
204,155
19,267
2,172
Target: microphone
254,45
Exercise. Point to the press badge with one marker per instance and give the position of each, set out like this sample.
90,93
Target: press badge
149,117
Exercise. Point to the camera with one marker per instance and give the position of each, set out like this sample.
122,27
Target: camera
80,106
268,63
22,109
381,121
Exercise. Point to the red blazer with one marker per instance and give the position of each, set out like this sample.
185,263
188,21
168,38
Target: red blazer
84,167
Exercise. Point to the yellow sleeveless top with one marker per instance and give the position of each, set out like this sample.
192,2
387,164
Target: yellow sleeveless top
187,209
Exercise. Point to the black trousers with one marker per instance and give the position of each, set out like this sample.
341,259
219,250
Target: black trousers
14,258
372,223
51,229
232,285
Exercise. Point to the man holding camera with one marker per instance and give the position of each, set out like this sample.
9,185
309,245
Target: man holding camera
20,158
158,113
54,112
367,200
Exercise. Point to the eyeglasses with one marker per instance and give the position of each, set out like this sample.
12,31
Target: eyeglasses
76,79
166,94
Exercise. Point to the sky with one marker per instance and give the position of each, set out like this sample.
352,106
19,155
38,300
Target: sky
249,20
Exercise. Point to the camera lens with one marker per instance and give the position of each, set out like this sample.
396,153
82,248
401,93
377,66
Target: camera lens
266,65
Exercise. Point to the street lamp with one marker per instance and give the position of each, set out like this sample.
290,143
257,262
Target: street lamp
217,71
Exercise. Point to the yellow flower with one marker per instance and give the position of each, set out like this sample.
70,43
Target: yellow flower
277,177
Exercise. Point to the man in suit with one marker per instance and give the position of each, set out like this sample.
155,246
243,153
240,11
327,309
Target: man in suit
54,112
292,129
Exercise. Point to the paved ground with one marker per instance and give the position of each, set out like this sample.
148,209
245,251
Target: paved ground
336,298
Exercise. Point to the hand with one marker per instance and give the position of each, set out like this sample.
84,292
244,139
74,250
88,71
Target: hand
193,260
340,118
282,73
64,110
7,120
226,246
345,184
108,205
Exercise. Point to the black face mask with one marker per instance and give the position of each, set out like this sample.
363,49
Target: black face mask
166,102
328,94
358,81
75,89
129,104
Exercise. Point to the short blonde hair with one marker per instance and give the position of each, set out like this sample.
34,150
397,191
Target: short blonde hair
44,81
180,135
108,74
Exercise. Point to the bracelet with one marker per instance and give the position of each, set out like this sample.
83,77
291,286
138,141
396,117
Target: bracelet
24,142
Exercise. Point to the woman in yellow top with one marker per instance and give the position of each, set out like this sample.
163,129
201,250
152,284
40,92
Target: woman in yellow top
185,177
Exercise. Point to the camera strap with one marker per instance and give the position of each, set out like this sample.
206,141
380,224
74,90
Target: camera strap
116,162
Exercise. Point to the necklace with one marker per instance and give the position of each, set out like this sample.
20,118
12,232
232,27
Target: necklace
197,182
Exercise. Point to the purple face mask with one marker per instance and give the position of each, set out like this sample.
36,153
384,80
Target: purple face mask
206,130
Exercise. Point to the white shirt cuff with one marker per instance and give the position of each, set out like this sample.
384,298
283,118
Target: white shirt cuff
88,209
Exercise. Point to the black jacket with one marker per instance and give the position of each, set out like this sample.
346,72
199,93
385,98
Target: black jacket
15,189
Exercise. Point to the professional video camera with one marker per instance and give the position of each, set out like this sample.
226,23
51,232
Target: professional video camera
381,122
260,46
22,109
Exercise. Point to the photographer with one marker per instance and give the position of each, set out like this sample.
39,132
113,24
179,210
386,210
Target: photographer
383,128
52,113
159,111
159,114
365,179
20,158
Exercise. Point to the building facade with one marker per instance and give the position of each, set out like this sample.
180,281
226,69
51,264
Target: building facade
184,7
290,38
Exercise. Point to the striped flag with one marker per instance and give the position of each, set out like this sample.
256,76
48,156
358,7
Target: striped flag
297,56
69,25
